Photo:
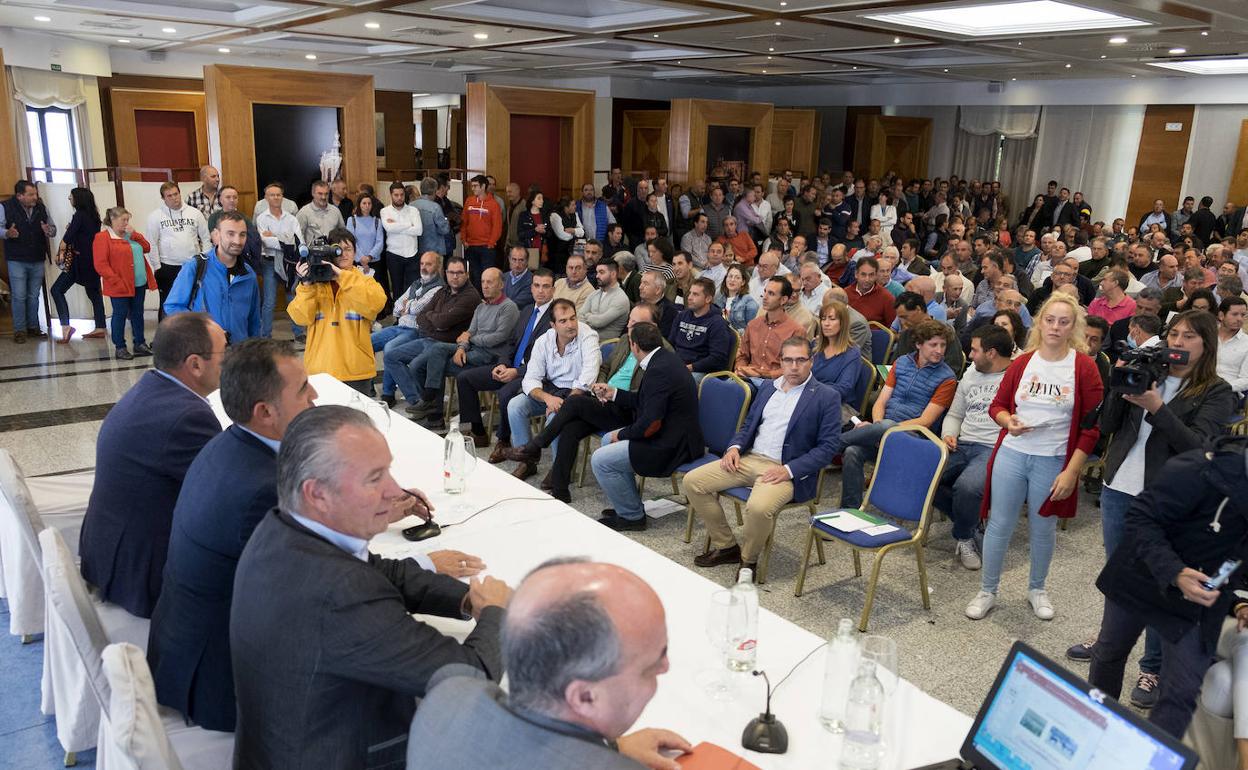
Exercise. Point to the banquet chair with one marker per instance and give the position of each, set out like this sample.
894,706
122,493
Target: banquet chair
137,736
882,341
739,496
723,401
907,470
78,629
868,379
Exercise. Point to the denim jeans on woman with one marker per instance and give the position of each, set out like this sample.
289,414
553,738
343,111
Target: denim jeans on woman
128,308
1114,505
1019,478
64,283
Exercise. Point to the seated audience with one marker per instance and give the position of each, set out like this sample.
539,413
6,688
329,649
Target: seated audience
734,297
1233,343
700,335
758,356
574,285
445,318
403,339
606,309
518,280
911,311
859,328
867,296
653,289
837,360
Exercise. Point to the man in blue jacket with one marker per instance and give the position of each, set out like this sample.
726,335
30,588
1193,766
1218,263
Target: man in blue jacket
221,283
700,335
791,433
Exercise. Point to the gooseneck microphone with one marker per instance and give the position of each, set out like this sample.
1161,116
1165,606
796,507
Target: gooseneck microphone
765,733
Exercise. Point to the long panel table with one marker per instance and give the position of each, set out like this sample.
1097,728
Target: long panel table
516,535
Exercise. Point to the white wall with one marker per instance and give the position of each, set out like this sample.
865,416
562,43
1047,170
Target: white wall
1211,152
944,133
1088,149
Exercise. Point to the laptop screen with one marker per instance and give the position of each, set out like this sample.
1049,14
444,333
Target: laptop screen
1037,719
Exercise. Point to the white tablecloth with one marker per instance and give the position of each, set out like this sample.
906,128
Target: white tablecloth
515,536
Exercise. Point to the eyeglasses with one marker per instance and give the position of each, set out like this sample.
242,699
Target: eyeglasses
456,272
794,361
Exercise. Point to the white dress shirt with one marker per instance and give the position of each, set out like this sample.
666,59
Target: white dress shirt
402,235
769,441
757,284
285,229
1233,361
575,369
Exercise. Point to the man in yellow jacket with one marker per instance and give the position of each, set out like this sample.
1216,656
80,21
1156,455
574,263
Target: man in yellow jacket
339,317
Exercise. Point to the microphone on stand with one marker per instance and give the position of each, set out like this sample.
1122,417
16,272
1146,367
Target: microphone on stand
765,733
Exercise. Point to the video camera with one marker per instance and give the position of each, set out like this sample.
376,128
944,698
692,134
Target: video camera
320,255
1141,368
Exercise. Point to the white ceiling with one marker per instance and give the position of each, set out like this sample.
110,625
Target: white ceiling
728,43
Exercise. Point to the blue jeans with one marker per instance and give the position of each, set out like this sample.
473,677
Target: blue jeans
1114,505
268,301
431,368
128,308
395,359
520,409
64,283
390,336
614,472
1019,478
858,445
25,281
961,489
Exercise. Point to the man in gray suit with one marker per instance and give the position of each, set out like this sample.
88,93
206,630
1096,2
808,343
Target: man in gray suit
584,645
328,662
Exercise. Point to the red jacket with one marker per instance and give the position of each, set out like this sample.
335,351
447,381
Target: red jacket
114,261
483,221
1088,392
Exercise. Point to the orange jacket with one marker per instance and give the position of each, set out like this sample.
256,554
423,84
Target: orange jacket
114,261
482,221
743,247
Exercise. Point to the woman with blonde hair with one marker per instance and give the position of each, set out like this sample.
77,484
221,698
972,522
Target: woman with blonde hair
118,253
837,361
1042,405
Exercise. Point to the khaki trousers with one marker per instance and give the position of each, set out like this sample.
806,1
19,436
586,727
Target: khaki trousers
766,500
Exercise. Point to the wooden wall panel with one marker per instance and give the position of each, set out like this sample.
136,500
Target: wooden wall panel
884,142
124,130
1161,160
9,171
686,154
1238,190
429,139
795,141
644,140
399,126
231,91
489,129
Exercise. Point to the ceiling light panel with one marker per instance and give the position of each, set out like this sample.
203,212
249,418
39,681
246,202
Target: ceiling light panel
1237,66
1029,17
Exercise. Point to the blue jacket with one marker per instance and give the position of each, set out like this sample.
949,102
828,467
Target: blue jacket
704,342
189,644
839,372
435,229
370,238
520,290
810,441
145,447
235,305
744,309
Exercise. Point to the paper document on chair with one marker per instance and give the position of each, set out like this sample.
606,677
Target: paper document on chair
847,521
879,529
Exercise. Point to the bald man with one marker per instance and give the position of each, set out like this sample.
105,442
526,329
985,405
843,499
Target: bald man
484,342
584,644
206,197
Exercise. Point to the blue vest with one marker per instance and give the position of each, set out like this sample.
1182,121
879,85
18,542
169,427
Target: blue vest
914,387
31,244
600,219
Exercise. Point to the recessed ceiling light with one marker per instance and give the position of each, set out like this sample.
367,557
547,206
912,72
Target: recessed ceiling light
168,30
123,40
777,23
43,18
310,56
855,66
946,70
223,50
782,3
1029,17
771,49
1068,66
764,72
1013,78
896,40
654,36
1177,51
485,36
1236,66
1117,40
768,58
1133,76
1204,33
1103,56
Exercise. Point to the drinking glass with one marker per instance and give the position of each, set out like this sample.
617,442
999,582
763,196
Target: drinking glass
725,628
461,506
883,651
377,411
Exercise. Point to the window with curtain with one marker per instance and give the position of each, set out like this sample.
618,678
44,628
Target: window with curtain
53,143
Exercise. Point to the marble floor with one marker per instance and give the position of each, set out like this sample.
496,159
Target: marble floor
54,397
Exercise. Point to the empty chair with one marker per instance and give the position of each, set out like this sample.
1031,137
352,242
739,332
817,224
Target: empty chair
882,340
723,400
907,470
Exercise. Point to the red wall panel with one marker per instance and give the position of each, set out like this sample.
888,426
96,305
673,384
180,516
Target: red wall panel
535,154
166,140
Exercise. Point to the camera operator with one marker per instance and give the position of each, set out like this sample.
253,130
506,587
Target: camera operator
1179,531
1183,406
339,314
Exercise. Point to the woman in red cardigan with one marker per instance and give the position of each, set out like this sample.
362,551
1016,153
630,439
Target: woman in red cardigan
1041,405
118,252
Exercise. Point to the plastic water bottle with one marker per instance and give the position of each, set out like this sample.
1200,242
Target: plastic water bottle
864,713
453,461
744,651
838,674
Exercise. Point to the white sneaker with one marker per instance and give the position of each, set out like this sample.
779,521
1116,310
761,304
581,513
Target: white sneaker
980,605
967,554
1040,604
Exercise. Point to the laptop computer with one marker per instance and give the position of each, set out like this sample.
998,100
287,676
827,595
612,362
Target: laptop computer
1039,716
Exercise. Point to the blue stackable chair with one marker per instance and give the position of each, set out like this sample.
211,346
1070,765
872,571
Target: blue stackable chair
723,401
866,383
907,470
882,340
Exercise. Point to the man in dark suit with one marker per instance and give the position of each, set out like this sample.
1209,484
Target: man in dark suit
1060,211
328,661
1203,222
145,446
506,376
571,696
663,435
779,452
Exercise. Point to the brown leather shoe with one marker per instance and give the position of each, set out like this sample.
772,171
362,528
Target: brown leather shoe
525,470
500,452
480,440
524,454
718,556
547,485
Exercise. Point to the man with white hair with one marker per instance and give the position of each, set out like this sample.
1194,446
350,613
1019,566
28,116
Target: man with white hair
811,289
768,266
1047,240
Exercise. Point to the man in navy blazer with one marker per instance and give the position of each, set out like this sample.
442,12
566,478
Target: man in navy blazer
792,431
518,281
145,446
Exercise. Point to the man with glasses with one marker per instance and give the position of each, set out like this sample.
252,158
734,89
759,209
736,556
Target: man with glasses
1064,273
145,446
792,431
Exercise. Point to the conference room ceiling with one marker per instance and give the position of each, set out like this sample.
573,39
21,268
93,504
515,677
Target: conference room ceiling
728,43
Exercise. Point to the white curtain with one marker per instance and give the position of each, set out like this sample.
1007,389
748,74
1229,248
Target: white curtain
1013,122
1017,158
974,156
1090,149
36,88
